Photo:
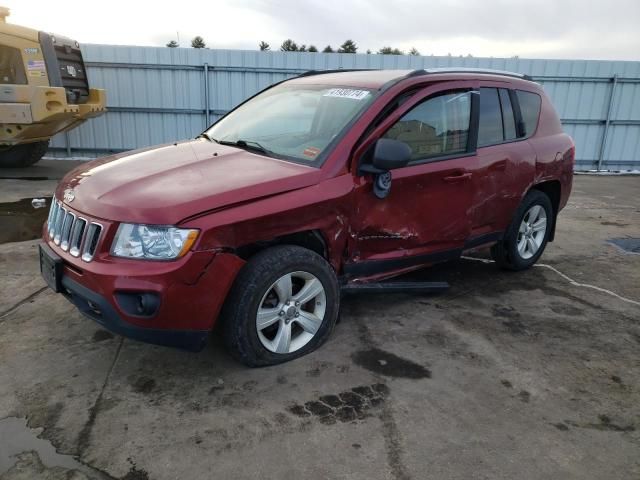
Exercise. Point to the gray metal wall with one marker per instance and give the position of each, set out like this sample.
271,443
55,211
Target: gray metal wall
157,95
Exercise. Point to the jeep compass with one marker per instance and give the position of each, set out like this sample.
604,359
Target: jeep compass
321,181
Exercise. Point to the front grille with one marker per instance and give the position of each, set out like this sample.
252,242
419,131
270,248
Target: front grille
73,233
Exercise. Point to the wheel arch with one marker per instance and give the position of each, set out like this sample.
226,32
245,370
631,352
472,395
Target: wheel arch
313,240
553,190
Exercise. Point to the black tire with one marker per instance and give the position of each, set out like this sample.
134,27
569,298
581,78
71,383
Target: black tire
22,156
239,330
505,253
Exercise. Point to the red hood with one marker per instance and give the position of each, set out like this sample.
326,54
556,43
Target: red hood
166,184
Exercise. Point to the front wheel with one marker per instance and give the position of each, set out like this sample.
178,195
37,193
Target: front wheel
527,236
284,304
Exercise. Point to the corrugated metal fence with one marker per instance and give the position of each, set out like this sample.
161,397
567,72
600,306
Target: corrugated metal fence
157,95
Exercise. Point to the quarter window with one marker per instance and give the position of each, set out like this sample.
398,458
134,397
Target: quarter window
530,110
490,126
438,126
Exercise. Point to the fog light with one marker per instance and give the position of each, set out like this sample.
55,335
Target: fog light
138,304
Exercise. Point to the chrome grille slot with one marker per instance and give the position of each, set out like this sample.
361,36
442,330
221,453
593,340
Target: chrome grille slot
77,232
67,225
91,241
57,228
76,235
52,217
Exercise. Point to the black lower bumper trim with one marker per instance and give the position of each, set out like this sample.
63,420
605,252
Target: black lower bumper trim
97,308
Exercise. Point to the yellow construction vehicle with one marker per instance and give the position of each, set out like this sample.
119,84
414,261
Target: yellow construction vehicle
44,90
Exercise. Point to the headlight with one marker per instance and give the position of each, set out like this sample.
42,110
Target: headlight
152,242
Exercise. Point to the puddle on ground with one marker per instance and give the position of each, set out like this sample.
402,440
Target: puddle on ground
16,437
628,245
20,221
385,363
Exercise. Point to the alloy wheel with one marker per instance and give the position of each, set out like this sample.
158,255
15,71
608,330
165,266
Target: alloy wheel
532,231
291,312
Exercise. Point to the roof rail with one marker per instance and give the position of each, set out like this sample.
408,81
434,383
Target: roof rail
487,71
310,73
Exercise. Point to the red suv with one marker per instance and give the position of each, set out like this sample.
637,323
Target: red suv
317,182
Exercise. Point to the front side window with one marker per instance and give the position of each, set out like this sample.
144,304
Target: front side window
438,126
289,121
530,110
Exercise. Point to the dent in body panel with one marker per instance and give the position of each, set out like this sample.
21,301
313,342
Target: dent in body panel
422,213
506,171
323,207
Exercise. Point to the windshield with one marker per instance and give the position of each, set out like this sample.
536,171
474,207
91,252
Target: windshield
291,121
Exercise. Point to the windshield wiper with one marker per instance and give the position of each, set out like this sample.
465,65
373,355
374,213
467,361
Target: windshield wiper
248,145
206,135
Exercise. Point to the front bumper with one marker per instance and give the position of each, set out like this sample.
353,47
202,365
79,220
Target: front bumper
98,308
190,293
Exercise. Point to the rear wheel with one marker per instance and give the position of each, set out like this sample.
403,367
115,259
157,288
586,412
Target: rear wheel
21,156
527,236
284,304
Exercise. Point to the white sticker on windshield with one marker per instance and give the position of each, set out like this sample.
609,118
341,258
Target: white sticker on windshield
347,93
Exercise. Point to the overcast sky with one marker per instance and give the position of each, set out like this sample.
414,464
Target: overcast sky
585,29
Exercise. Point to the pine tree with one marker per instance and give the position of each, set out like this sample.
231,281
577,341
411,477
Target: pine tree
198,42
390,51
327,49
264,46
349,46
173,44
312,49
414,51
289,46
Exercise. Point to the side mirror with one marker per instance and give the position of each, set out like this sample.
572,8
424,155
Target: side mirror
389,154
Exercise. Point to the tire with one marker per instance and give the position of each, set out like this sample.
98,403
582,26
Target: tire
509,253
262,286
22,156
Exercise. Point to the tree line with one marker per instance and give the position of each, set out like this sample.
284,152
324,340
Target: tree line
349,46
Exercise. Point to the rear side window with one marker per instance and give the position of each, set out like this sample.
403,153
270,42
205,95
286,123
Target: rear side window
490,123
508,118
438,126
530,110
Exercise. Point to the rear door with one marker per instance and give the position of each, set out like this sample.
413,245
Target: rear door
425,216
505,164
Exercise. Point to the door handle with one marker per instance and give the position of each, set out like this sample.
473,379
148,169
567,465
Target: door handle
461,177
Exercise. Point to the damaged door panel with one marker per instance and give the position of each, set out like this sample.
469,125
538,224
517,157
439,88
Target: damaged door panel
427,209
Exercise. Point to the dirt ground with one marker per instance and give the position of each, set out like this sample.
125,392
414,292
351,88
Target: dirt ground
531,375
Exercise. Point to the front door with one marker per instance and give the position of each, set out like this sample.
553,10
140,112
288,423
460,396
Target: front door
425,217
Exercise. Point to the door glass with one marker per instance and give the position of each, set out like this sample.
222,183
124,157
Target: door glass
438,126
508,119
490,126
